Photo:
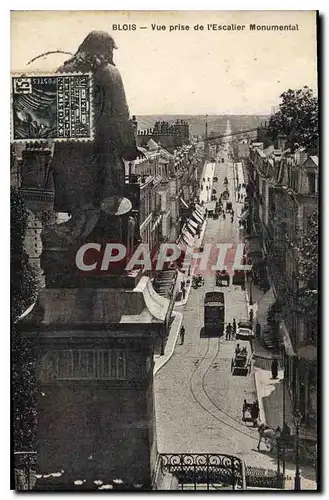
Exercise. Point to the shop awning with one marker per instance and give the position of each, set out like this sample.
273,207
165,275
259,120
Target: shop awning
190,229
263,306
199,209
197,217
193,223
187,238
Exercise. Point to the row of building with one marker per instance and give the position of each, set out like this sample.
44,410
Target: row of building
166,181
283,195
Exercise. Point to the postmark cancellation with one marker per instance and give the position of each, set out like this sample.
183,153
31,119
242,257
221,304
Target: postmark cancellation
56,107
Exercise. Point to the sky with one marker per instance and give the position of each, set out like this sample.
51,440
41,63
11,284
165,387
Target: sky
182,71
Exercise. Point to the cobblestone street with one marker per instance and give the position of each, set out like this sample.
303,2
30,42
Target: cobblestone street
198,400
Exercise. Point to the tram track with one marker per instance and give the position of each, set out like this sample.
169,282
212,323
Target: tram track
198,401
201,396
242,431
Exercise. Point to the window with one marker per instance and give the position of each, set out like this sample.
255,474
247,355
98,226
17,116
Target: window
84,364
311,182
294,181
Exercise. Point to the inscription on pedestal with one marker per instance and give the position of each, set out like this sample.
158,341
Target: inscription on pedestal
83,364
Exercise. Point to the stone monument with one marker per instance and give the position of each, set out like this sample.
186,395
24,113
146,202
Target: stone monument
95,337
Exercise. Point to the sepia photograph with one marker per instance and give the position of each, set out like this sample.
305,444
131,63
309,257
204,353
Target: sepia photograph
164,257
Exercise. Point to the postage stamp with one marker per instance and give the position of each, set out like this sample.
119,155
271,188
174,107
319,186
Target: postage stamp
55,107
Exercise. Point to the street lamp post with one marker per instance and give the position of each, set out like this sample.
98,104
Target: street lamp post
251,310
297,422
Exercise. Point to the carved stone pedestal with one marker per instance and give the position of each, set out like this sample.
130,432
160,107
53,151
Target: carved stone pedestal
95,383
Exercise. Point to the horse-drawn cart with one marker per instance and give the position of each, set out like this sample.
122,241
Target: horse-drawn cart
240,364
250,412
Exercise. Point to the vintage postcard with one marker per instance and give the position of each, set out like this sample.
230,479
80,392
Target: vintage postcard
164,173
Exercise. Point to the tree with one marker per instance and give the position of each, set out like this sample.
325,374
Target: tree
297,119
308,268
24,286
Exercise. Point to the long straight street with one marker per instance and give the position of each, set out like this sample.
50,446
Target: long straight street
198,400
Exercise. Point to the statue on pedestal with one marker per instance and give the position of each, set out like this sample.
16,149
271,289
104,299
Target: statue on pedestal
89,177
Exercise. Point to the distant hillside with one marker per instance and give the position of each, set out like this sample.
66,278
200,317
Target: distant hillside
216,123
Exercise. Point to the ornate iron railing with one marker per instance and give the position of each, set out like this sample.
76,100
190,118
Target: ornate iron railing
258,477
205,470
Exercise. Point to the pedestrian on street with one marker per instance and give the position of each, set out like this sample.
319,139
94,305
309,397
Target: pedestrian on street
244,409
285,433
254,413
182,285
278,434
274,368
224,214
234,327
182,335
183,293
228,331
232,218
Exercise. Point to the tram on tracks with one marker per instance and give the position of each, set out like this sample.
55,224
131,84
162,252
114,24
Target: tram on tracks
214,313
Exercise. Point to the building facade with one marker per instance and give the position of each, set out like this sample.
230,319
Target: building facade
283,193
169,135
